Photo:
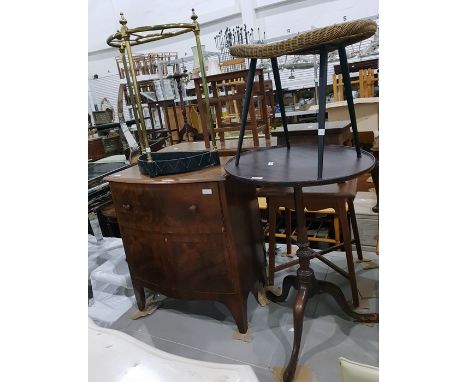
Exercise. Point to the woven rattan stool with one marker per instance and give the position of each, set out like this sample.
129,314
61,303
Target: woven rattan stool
290,168
319,41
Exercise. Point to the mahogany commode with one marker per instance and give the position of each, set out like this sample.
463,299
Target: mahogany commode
182,239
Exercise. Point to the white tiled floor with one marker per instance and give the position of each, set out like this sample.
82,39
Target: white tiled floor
203,330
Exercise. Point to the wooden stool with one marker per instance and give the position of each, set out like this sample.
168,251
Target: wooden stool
334,196
262,204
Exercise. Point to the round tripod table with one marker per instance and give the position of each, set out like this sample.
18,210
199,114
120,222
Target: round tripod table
297,167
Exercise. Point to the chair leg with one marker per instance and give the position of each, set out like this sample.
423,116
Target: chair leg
245,105
287,214
336,226
349,97
321,103
271,241
279,96
357,240
341,209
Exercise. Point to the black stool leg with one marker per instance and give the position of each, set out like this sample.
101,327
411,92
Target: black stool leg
349,97
321,103
279,97
245,105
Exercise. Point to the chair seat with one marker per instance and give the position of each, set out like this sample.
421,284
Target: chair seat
310,42
262,204
335,190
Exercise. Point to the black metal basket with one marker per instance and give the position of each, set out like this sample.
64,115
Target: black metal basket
177,162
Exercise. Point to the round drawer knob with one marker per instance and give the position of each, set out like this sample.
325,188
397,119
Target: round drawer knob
193,208
126,206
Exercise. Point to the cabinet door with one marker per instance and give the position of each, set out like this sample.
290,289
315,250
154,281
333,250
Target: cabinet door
145,252
199,263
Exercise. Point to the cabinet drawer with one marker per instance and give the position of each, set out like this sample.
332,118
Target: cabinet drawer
171,208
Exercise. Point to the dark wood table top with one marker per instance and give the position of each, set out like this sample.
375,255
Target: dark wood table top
278,166
334,127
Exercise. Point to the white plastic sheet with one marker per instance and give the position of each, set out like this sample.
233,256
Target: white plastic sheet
110,280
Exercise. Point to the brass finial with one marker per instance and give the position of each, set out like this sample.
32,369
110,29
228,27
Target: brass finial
122,20
194,16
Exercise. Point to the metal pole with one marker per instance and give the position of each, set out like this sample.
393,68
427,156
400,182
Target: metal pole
196,31
130,93
144,144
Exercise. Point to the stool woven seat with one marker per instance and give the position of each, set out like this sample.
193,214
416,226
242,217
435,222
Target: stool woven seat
310,42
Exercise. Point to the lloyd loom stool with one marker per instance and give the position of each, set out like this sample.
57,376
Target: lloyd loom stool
303,165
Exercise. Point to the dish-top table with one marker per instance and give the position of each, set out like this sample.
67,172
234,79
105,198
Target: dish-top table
337,133
297,167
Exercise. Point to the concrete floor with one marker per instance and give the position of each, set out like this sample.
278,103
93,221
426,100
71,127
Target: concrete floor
203,330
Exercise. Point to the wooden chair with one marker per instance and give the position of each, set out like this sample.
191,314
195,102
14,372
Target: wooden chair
227,92
336,199
289,233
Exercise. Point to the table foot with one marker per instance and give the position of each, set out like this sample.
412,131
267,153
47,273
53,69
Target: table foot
337,294
298,313
288,282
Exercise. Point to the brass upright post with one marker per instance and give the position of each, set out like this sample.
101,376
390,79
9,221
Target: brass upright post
130,93
196,31
126,37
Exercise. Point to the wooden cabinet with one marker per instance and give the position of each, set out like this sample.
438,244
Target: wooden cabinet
187,236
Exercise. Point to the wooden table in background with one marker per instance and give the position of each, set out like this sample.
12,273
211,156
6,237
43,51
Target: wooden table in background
226,148
336,133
